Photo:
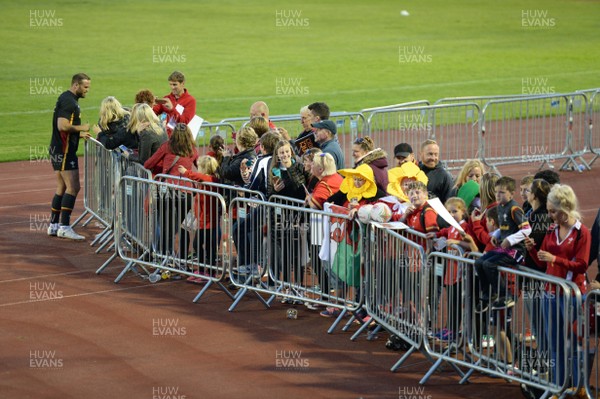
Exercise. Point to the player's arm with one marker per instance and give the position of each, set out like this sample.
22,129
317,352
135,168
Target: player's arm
65,126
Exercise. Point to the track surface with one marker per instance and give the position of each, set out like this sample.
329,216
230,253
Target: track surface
66,332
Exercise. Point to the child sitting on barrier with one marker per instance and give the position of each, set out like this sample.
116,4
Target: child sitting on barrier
205,226
514,228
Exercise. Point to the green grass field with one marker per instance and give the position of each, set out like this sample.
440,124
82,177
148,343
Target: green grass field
351,54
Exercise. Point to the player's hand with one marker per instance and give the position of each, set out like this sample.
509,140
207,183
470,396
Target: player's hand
85,135
85,127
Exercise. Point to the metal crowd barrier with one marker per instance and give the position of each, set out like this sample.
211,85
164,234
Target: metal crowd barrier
479,100
590,344
175,232
98,188
538,129
293,266
396,287
207,130
454,126
367,111
536,342
594,119
125,167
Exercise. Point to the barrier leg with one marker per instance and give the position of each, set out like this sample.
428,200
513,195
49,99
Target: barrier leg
337,321
101,236
402,359
238,298
79,218
108,241
105,264
88,221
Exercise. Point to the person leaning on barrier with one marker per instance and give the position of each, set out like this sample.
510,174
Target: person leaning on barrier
286,175
327,140
111,130
472,170
564,253
539,220
364,152
487,196
145,126
180,150
66,132
329,181
230,169
514,228
357,189
255,176
307,161
440,180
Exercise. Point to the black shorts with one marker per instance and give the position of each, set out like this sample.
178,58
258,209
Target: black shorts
61,161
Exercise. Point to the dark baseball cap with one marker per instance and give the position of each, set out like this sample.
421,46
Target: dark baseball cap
403,150
326,124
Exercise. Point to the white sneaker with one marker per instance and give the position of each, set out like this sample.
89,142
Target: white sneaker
52,229
68,232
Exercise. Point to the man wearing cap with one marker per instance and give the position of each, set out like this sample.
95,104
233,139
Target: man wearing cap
325,137
403,153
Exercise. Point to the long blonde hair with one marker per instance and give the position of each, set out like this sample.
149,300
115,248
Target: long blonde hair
142,113
466,169
111,110
563,197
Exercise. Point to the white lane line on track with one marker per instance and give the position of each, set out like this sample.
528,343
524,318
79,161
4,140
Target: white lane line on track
75,295
55,274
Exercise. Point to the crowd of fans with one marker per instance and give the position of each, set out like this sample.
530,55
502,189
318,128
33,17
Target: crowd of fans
542,230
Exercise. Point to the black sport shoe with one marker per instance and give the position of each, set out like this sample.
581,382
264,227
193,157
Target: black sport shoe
482,306
503,303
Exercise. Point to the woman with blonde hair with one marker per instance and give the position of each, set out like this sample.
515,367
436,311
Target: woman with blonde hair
323,168
564,253
111,130
146,126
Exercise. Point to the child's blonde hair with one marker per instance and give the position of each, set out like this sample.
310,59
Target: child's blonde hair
207,165
459,203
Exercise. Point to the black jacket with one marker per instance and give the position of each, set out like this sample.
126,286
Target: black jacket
440,182
117,135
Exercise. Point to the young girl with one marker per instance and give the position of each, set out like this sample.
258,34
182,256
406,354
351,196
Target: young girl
207,212
473,170
478,216
452,274
286,176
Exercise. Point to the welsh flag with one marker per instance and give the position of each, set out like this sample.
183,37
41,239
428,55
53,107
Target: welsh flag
341,245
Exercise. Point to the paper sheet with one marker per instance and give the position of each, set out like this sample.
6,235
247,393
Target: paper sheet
194,125
441,210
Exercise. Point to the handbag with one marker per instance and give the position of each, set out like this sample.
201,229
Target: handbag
190,223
